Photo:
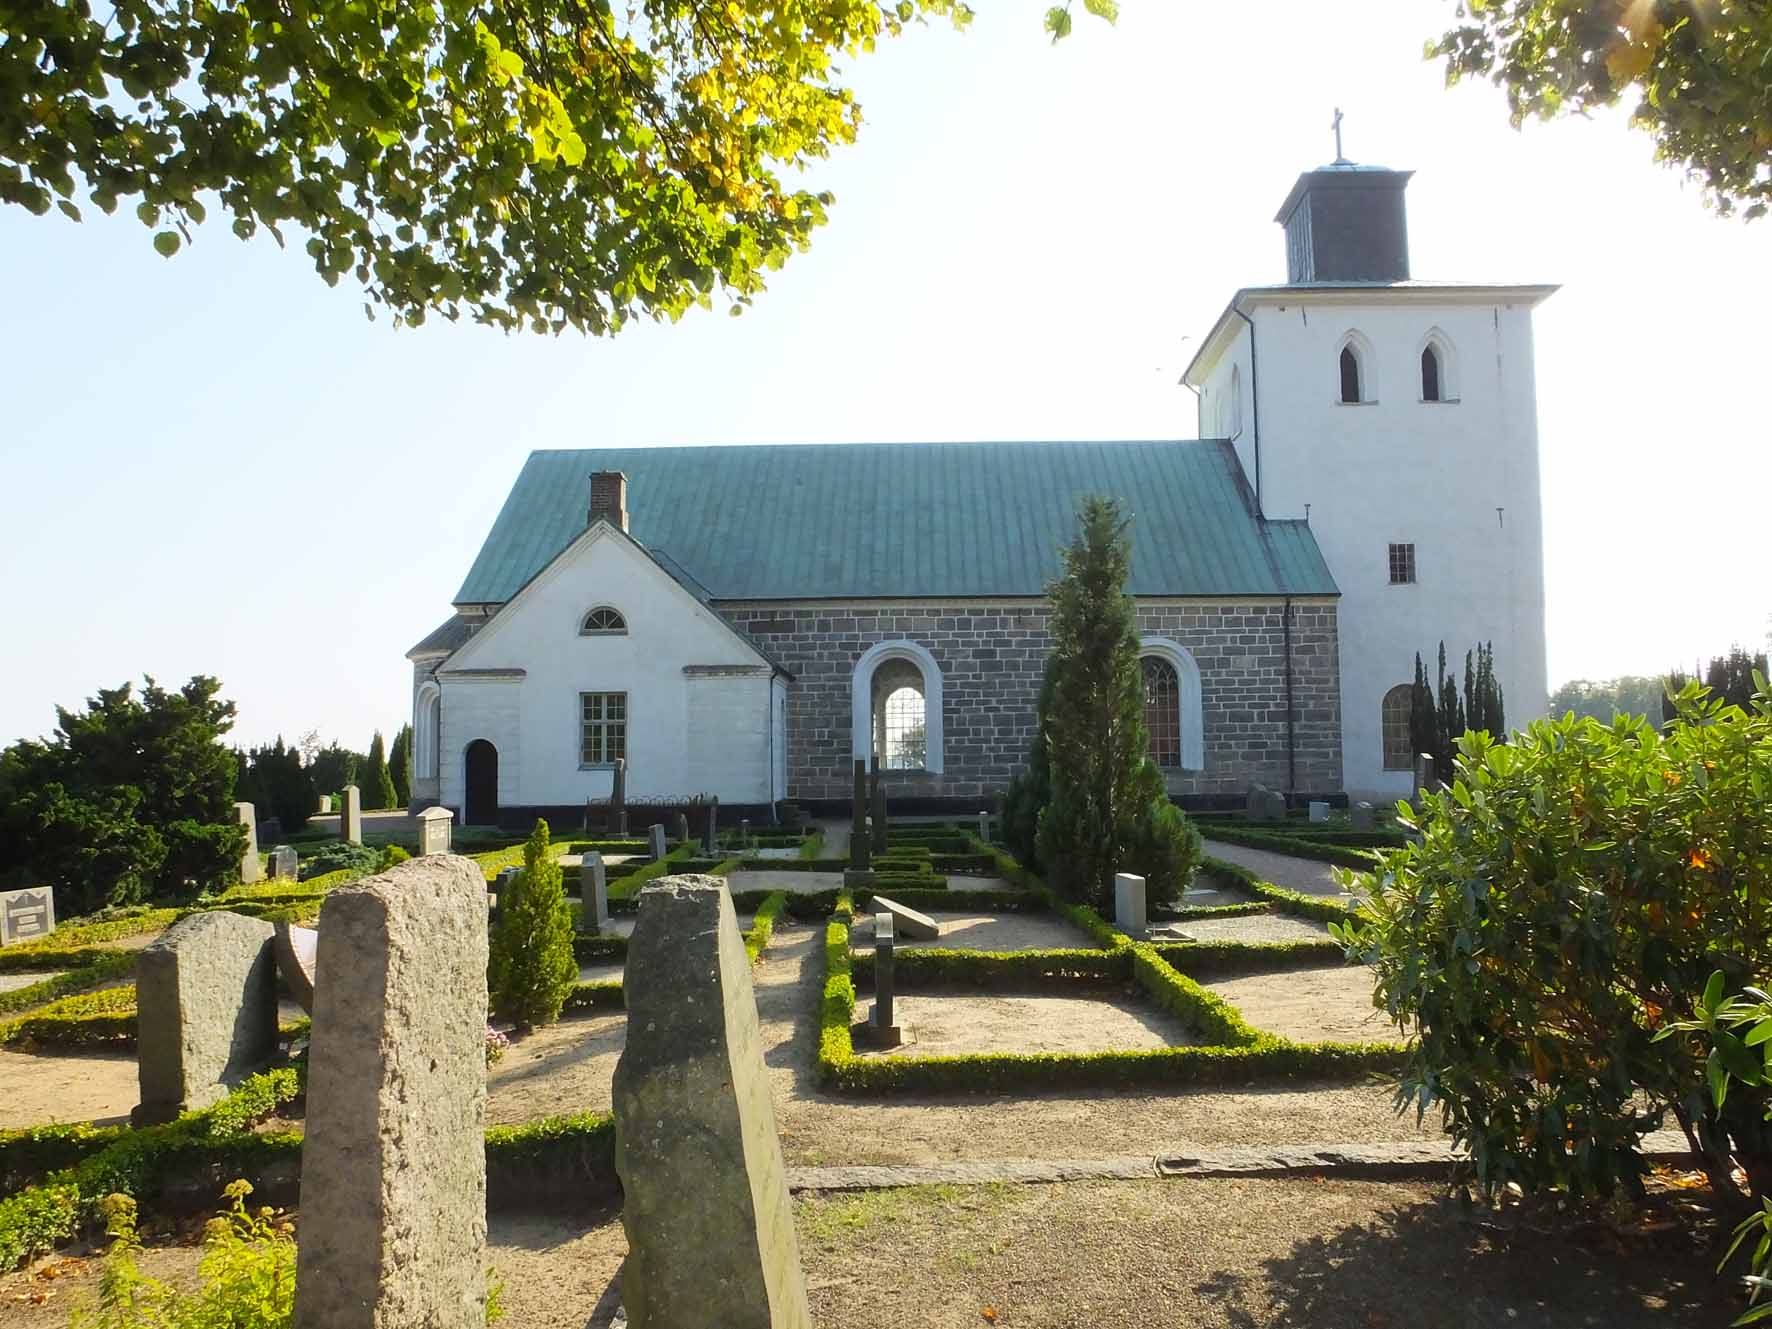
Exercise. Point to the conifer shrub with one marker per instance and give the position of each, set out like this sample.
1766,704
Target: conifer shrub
531,968
378,786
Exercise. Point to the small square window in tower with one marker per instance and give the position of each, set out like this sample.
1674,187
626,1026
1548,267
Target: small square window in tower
1402,565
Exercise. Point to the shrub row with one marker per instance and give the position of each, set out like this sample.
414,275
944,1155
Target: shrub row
966,864
1025,971
604,995
1082,916
606,847
86,934
983,902
1183,912
95,967
1321,908
1297,846
629,885
135,1162
756,937
90,1019
794,864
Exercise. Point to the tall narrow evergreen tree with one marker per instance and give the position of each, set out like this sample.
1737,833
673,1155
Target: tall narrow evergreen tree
1451,721
400,766
531,969
1424,716
378,787
1109,811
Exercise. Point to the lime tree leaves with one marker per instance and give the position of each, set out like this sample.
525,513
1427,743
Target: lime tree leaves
553,164
1058,18
1701,75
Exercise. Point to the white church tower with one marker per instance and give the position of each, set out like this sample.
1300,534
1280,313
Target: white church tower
1399,417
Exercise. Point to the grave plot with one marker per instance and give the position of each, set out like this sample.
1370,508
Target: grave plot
1308,1005
949,1022
986,932
1256,928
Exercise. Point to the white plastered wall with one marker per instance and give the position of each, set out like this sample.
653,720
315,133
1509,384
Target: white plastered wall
687,733
1401,470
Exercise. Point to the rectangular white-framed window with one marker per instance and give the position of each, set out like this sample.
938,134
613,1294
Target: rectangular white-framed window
1402,565
603,728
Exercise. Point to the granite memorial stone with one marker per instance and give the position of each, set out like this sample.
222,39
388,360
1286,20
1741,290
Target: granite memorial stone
251,869
710,1229
1319,812
350,816
680,833
1360,816
1130,913
26,915
285,864
593,891
206,997
907,920
393,1179
435,826
656,838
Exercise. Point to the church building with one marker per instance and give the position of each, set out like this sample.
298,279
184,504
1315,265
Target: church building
744,622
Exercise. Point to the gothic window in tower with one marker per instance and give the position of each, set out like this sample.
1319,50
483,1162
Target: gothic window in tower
1162,711
1350,375
1430,373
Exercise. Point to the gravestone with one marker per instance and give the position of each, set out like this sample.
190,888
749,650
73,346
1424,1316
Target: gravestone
618,799
350,816
681,829
859,872
883,1030
503,881
656,834
907,920
251,869
206,997
26,915
326,802
393,1171
285,863
1263,804
295,949
1424,773
877,819
434,828
269,829
1319,812
984,827
744,830
1130,914
713,840
705,1204
1360,816
593,894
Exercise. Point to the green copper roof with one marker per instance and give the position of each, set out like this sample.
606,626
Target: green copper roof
906,520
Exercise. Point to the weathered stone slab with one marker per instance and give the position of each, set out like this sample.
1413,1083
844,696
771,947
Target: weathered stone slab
680,832
284,863
1130,913
350,816
296,949
326,802
1360,816
26,915
883,1030
908,921
393,1180
656,840
1319,812
251,869
712,846
593,891
984,827
1424,773
860,858
710,1232
435,830
206,992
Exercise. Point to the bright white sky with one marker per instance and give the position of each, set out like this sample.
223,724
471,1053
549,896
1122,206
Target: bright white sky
215,464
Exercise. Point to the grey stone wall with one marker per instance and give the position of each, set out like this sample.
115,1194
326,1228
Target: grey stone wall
991,655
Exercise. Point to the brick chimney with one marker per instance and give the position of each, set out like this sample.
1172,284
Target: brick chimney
609,498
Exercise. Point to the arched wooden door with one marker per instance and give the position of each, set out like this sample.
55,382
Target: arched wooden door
482,785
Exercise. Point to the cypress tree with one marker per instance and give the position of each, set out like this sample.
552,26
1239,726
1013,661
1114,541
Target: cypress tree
378,787
1451,721
530,968
400,766
1109,811
1424,718
1031,791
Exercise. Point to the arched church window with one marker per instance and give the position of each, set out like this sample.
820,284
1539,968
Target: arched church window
1394,721
603,622
1162,711
1350,375
901,717
1430,373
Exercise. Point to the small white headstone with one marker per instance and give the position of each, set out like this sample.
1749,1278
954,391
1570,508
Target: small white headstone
350,818
656,835
1319,812
434,825
285,864
326,802
26,915
251,869
1129,907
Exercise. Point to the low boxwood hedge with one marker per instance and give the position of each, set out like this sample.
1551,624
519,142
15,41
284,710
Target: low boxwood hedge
1181,913
1229,959
1056,971
955,901
104,1019
1296,846
1319,907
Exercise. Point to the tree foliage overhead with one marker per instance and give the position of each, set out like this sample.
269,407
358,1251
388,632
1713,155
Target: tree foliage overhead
551,164
1700,71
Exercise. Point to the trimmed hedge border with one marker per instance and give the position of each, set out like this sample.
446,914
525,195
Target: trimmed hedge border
1296,846
1181,913
135,1162
96,966
951,901
1317,907
1236,959
1057,971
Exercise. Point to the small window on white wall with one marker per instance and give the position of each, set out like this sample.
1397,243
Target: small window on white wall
603,622
1353,367
1437,368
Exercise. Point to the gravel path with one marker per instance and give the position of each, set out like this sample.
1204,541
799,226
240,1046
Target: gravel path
1304,875
28,978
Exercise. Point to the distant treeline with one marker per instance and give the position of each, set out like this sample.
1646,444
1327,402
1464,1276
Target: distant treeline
1729,677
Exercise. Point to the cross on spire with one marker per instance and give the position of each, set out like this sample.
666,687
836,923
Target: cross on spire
1336,126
